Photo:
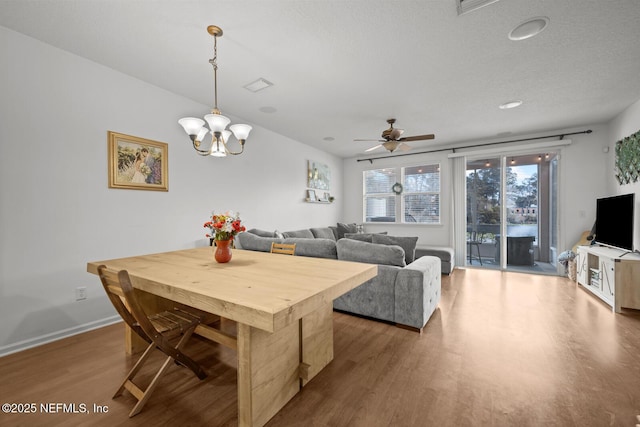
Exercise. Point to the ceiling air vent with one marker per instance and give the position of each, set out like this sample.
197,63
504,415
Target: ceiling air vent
258,85
465,6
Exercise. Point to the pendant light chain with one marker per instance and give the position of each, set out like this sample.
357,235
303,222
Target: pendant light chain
214,63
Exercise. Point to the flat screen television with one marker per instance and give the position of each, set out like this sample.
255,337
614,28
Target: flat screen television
614,221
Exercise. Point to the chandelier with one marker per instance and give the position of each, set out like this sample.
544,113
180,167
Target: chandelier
195,127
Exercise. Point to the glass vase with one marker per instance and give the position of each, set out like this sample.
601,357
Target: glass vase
222,253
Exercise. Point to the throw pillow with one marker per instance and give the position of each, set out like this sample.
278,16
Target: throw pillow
306,234
407,243
323,233
346,228
335,231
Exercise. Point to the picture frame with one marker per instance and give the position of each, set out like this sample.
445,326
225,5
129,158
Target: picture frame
318,175
311,195
137,163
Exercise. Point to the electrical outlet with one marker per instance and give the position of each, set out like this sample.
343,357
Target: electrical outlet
81,293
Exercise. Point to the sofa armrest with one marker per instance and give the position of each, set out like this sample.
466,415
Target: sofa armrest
374,298
417,291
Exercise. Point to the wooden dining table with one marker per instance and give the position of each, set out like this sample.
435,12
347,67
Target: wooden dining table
283,306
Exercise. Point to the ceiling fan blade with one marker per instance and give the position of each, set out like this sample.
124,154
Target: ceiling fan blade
368,140
404,147
417,138
373,148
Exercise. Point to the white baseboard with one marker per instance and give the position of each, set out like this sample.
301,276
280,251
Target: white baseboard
58,335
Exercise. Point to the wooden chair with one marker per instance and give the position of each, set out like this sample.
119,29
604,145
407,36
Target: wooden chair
474,241
156,329
283,248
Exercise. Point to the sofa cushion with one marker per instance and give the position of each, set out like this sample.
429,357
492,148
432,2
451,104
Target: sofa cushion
407,243
261,233
346,228
371,253
335,231
323,233
252,242
305,234
317,248
363,237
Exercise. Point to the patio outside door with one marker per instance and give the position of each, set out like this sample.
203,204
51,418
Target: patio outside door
511,212
484,179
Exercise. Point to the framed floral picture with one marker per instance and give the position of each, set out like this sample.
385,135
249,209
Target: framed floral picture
137,163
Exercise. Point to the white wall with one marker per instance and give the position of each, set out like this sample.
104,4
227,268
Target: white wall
56,212
624,124
582,180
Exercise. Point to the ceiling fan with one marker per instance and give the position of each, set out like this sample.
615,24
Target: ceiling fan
392,141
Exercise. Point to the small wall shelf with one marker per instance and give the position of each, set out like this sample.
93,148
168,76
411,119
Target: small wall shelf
317,201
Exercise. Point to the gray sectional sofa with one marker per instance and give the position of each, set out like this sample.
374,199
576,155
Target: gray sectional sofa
406,291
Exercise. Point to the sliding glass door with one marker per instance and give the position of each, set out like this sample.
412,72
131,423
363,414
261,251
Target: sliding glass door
512,212
484,178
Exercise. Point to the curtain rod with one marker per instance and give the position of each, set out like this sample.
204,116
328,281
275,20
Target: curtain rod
453,149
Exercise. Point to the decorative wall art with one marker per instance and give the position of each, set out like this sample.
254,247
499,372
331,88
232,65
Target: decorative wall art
318,176
627,167
137,163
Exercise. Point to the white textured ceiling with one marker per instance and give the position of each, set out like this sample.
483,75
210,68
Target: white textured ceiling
341,68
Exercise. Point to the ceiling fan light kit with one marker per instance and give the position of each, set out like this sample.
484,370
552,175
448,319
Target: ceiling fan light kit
392,139
195,128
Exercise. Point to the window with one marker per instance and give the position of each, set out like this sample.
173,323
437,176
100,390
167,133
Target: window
417,201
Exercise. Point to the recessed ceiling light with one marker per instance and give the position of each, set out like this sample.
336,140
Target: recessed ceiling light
529,28
258,85
510,104
329,138
268,110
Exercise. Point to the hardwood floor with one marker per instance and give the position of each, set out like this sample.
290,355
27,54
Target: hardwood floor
503,349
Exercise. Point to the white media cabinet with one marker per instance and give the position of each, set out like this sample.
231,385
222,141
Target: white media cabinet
610,274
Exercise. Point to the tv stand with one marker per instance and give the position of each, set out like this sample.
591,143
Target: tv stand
630,252
605,273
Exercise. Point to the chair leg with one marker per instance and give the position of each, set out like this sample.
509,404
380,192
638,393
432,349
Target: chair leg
143,396
152,385
134,371
470,251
